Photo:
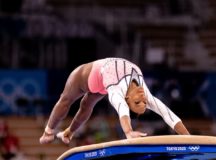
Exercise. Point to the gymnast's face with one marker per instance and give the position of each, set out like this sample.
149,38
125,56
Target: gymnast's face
136,100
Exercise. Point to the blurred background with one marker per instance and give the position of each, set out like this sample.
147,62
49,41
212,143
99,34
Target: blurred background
42,41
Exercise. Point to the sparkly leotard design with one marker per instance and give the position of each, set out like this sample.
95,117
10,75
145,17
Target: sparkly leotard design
113,76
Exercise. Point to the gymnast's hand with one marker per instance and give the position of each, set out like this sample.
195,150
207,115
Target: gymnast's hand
135,134
65,136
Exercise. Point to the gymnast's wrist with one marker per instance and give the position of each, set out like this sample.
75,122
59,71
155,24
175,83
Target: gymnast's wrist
48,130
128,131
128,134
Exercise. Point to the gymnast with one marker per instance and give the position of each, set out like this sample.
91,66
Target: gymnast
124,84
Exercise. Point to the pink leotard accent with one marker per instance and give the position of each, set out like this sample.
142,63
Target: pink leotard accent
95,81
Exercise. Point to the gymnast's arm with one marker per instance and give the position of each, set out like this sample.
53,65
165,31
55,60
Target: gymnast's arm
118,102
169,117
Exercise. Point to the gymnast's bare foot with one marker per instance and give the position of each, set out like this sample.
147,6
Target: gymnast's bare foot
65,136
47,138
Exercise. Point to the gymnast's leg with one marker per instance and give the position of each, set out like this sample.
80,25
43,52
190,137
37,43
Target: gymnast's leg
86,107
72,91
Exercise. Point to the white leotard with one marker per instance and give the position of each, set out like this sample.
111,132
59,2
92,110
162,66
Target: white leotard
116,75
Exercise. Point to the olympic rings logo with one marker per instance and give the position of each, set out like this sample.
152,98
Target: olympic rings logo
11,89
194,148
28,87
